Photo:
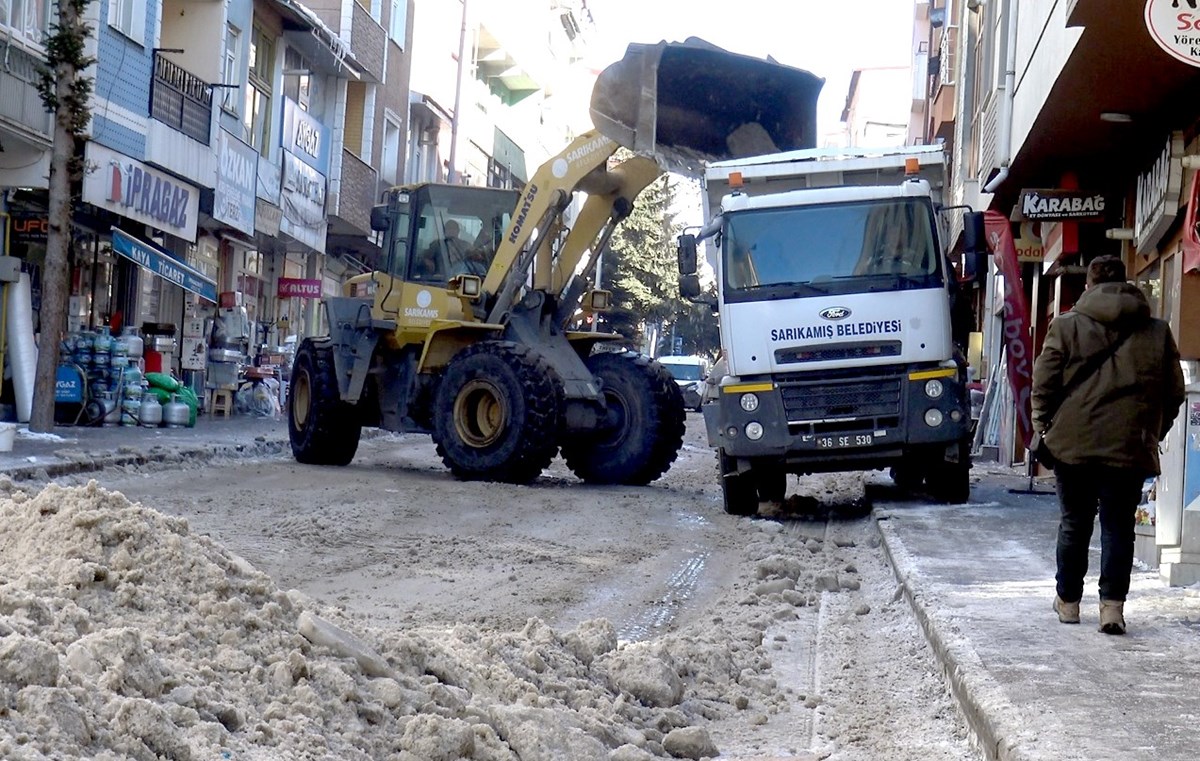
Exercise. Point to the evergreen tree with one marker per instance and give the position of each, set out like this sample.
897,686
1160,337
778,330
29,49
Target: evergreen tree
66,93
639,266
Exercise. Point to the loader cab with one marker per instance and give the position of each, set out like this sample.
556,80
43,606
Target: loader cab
434,232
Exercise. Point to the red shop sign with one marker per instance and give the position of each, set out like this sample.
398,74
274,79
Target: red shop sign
290,287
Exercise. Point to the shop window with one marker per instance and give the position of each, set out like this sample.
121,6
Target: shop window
256,120
25,18
129,18
398,23
229,69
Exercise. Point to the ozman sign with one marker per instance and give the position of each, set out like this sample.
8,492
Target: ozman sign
1175,26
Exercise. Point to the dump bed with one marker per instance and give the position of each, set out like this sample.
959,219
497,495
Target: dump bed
822,168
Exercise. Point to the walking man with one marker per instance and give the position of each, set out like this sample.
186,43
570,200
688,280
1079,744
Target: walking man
1103,428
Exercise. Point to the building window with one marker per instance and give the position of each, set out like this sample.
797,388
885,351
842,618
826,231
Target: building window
297,78
229,70
25,18
129,18
390,161
257,117
398,26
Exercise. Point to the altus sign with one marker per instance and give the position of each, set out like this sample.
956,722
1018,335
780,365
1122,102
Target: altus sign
1175,26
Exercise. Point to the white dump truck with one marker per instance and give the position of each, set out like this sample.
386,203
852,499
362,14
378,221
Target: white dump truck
838,310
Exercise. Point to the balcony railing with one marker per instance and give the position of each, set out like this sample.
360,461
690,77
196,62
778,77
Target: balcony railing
948,57
20,104
181,100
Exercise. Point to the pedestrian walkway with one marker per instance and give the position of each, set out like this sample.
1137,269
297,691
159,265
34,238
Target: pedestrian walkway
981,578
75,449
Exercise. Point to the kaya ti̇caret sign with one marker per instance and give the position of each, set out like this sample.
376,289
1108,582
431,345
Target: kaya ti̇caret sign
128,187
1175,26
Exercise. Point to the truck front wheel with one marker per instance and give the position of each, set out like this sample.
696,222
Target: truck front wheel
497,413
645,423
950,482
323,429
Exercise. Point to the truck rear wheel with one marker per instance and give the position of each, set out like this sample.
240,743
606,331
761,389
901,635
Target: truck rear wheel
323,429
647,421
497,413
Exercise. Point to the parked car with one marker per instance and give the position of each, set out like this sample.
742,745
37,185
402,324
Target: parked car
689,372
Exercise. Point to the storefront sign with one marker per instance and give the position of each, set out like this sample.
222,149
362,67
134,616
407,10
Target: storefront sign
302,197
237,182
1030,247
162,264
1175,26
267,217
290,287
1018,347
68,384
29,229
128,187
305,137
269,179
1158,191
1055,204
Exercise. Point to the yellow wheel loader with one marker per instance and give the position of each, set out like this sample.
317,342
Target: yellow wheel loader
465,334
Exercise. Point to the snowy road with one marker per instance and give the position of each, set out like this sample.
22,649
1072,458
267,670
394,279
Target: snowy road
829,662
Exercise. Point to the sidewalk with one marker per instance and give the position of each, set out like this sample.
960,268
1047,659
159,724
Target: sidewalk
981,580
75,449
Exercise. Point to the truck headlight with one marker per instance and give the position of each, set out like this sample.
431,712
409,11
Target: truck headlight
749,402
754,430
933,417
934,388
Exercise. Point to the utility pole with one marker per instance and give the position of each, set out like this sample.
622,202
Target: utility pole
452,172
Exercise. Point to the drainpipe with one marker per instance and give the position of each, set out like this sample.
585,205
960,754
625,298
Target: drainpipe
452,172
1006,105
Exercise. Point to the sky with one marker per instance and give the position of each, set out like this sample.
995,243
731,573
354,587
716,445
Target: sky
829,38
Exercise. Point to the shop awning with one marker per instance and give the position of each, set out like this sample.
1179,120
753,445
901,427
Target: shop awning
163,264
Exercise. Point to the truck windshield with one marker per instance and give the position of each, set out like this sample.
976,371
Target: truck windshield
852,247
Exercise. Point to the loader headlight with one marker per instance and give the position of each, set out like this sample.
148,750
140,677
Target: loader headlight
754,430
934,388
933,417
749,402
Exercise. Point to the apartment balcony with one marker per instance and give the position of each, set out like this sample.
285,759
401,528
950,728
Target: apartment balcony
181,100
21,109
368,43
351,196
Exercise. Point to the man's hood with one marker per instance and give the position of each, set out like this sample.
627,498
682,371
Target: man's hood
1114,304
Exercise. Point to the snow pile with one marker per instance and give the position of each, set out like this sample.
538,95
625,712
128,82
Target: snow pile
123,635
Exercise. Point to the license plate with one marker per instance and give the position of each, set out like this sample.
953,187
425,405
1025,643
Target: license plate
840,442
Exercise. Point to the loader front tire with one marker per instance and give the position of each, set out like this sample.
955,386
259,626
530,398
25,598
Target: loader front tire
322,428
646,419
497,413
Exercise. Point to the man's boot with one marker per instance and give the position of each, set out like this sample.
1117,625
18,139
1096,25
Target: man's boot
1112,616
1068,612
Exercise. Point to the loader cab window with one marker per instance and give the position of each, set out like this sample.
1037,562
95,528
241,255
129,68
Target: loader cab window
399,232
457,230
853,247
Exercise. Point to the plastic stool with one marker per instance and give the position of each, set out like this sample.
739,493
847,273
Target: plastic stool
220,401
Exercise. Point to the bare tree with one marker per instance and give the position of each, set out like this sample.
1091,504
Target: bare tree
66,93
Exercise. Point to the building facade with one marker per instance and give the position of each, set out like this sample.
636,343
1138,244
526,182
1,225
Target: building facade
1078,122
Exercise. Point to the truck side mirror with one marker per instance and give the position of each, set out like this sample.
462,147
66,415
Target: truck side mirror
689,287
687,258
975,250
379,218
974,233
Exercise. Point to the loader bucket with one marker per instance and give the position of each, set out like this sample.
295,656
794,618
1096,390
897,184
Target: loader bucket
692,102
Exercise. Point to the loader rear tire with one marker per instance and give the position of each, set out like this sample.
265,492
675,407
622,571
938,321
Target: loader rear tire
497,412
322,428
647,415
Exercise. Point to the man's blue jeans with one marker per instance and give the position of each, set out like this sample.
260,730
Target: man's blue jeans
1084,490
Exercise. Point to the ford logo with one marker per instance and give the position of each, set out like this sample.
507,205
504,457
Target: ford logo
835,313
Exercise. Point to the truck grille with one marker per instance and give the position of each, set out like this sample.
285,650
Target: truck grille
830,399
839,352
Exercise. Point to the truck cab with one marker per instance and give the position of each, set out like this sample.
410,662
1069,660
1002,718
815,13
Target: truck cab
835,308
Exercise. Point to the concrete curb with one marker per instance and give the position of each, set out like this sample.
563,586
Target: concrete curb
989,714
199,453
